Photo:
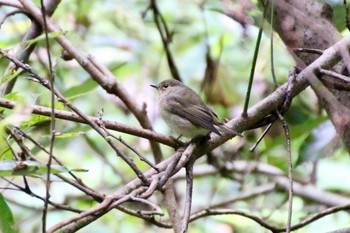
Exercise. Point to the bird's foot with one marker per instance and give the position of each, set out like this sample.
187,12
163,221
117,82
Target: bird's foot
178,141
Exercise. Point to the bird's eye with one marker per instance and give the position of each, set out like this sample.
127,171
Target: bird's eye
166,85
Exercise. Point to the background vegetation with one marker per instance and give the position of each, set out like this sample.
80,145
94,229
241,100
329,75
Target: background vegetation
212,46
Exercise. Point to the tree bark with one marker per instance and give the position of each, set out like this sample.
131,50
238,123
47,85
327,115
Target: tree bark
308,24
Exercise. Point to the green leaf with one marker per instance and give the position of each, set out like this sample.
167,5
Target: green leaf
34,120
15,96
5,151
10,75
339,14
27,168
6,218
81,89
51,35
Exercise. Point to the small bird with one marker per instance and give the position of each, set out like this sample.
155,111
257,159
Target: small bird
185,113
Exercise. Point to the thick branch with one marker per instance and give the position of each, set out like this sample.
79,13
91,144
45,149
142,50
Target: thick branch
308,24
255,114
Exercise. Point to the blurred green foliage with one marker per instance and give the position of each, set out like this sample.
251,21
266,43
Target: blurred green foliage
123,36
6,218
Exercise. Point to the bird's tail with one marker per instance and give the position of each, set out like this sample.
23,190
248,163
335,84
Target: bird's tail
223,128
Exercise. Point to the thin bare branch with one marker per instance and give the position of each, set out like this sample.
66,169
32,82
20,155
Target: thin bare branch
290,174
71,116
93,124
166,38
188,198
11,3
100,74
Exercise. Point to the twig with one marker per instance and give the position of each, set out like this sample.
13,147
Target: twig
93,124
83,188
142,158
335,75
188,199
290,175
251,149
256,191
71,116
11,14
52,117
77,184
257,112
41,147
313,218
308,192
29,192
179,160
156,210
152,187
166,38
27,154
304,191
95,210
308,50
11,3
106,80
34,31
320,215
170,169
91,215
172,207
210,212
148,218
287,101
290,86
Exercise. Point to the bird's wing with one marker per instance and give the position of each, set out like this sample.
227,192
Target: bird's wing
197,114
202,117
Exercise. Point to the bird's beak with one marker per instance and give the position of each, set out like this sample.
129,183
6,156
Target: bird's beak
155,86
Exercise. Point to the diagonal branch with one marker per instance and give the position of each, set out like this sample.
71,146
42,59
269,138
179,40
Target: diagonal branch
93,124
255,113
99,73
166,38
34,31
310,25
71,116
